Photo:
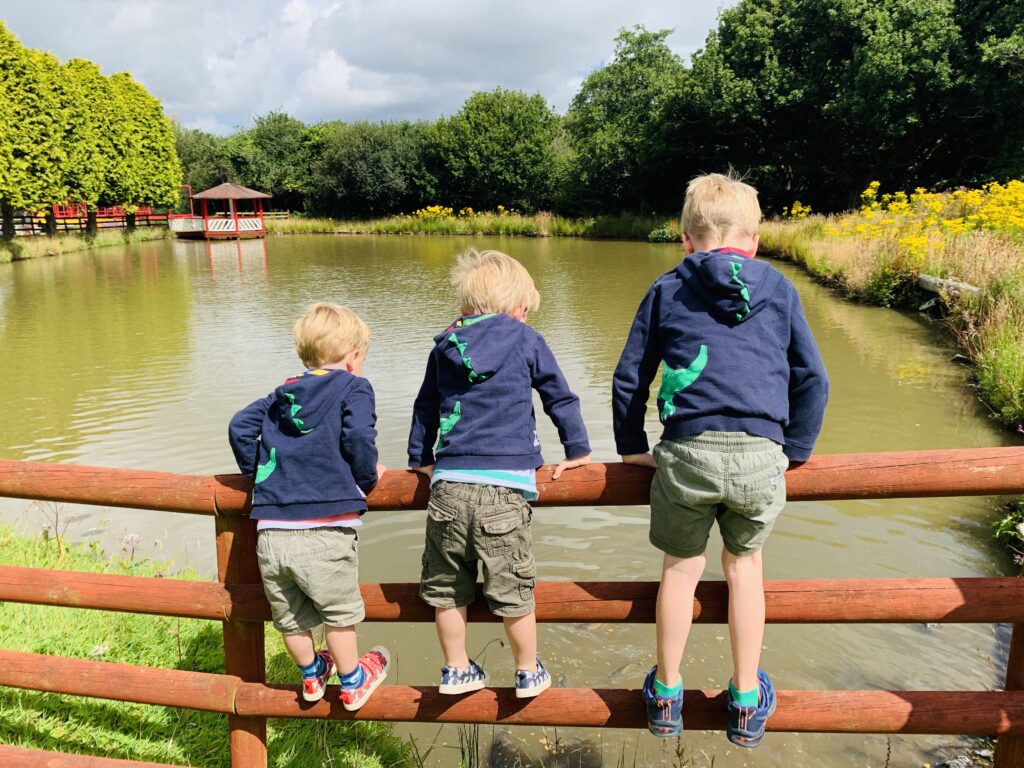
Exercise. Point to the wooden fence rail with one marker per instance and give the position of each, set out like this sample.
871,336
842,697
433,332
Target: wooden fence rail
237,600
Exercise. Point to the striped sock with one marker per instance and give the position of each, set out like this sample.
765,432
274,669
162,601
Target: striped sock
354,678
315,668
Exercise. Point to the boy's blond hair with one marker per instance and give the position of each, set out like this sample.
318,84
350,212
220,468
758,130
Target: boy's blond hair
718,206
492,282
328,332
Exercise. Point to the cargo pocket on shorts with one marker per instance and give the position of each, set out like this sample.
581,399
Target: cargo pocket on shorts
526,575
500,529
440,524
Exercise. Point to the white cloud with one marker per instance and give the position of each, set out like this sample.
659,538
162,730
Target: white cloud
216,65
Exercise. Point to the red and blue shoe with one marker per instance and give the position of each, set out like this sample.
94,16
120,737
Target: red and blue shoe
664,715
745,726
375,663
313,687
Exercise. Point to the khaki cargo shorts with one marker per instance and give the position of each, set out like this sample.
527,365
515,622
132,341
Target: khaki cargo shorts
311,577
467,524
732,477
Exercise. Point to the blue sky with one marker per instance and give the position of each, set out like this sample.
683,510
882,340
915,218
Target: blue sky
217,63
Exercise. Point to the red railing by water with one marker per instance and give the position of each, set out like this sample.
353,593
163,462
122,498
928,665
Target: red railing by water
236,599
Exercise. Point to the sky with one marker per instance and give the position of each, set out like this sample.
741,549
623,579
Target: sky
216,64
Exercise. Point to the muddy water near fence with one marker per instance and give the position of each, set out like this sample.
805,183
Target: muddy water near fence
137,358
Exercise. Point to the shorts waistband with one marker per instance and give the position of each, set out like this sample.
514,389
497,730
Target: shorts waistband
477,493
280,532
732,442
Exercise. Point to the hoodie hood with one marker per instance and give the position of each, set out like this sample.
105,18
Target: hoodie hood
732,286
479,344
305,400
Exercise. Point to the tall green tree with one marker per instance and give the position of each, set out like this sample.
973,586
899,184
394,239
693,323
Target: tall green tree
615,121
203,156
270,157
32,152
497,150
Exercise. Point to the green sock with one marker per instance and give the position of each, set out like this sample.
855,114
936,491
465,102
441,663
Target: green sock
666,692
743,698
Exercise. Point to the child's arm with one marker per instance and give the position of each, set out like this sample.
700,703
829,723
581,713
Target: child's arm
359,434
631,384
244,435
808,386
561,406
426,419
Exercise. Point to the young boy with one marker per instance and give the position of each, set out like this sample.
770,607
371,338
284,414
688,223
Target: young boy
742,397
477,393
309,448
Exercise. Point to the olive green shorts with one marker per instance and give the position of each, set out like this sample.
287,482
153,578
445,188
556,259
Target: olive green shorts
732,477
311,577
467,524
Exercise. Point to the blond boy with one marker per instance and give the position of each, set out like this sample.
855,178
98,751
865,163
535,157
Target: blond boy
476,401
309,447
743,394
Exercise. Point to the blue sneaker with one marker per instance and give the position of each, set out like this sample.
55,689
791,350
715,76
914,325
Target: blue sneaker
745,727
454,681
529,684
664,716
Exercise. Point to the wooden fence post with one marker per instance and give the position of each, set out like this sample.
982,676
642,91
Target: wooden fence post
244,652
1010,749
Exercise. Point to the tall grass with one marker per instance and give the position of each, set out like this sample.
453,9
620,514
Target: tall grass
882,268
543,224
142,732
41,245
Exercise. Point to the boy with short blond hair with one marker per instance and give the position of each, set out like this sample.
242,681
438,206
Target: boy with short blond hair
309,448
477,402
742,397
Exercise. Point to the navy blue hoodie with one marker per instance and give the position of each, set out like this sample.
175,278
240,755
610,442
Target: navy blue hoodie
309,446
478,394
736,354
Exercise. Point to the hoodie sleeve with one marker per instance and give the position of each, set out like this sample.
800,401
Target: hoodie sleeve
631,384
359,434
426,416
244,435
560,404
808,386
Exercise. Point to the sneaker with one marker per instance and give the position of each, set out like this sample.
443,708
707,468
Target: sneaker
529,684
375,663
454,680
745,727
664,716
313,687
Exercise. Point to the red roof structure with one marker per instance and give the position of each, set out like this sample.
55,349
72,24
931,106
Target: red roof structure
217,220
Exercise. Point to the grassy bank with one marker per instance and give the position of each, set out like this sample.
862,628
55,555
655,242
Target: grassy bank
150,733
973,236
437,220
40,245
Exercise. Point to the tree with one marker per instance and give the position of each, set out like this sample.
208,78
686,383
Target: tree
614,123
497,150
270,157
204,161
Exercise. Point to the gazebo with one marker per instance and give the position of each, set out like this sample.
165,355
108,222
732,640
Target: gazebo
219,216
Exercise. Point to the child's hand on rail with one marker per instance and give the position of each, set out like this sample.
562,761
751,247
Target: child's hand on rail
565,464
640,459
427,470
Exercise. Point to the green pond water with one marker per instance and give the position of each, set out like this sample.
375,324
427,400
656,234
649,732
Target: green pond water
137,357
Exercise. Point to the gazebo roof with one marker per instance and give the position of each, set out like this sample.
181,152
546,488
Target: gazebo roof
229,192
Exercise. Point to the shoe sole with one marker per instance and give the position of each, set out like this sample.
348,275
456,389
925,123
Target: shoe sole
457,688
662,735
529,693
307,697
373,687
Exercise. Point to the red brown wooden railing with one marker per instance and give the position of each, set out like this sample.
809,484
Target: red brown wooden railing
237,600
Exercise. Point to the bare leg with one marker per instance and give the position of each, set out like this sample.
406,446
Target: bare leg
746,616
679,577
451,632
522,635
344,648
300,647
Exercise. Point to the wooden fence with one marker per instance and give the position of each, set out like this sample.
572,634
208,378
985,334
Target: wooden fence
236,599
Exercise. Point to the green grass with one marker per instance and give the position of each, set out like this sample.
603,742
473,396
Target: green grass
142,732
21,248
621,227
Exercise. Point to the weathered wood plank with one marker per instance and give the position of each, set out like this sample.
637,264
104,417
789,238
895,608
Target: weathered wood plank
19,757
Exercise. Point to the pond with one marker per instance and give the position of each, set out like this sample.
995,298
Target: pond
137,357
